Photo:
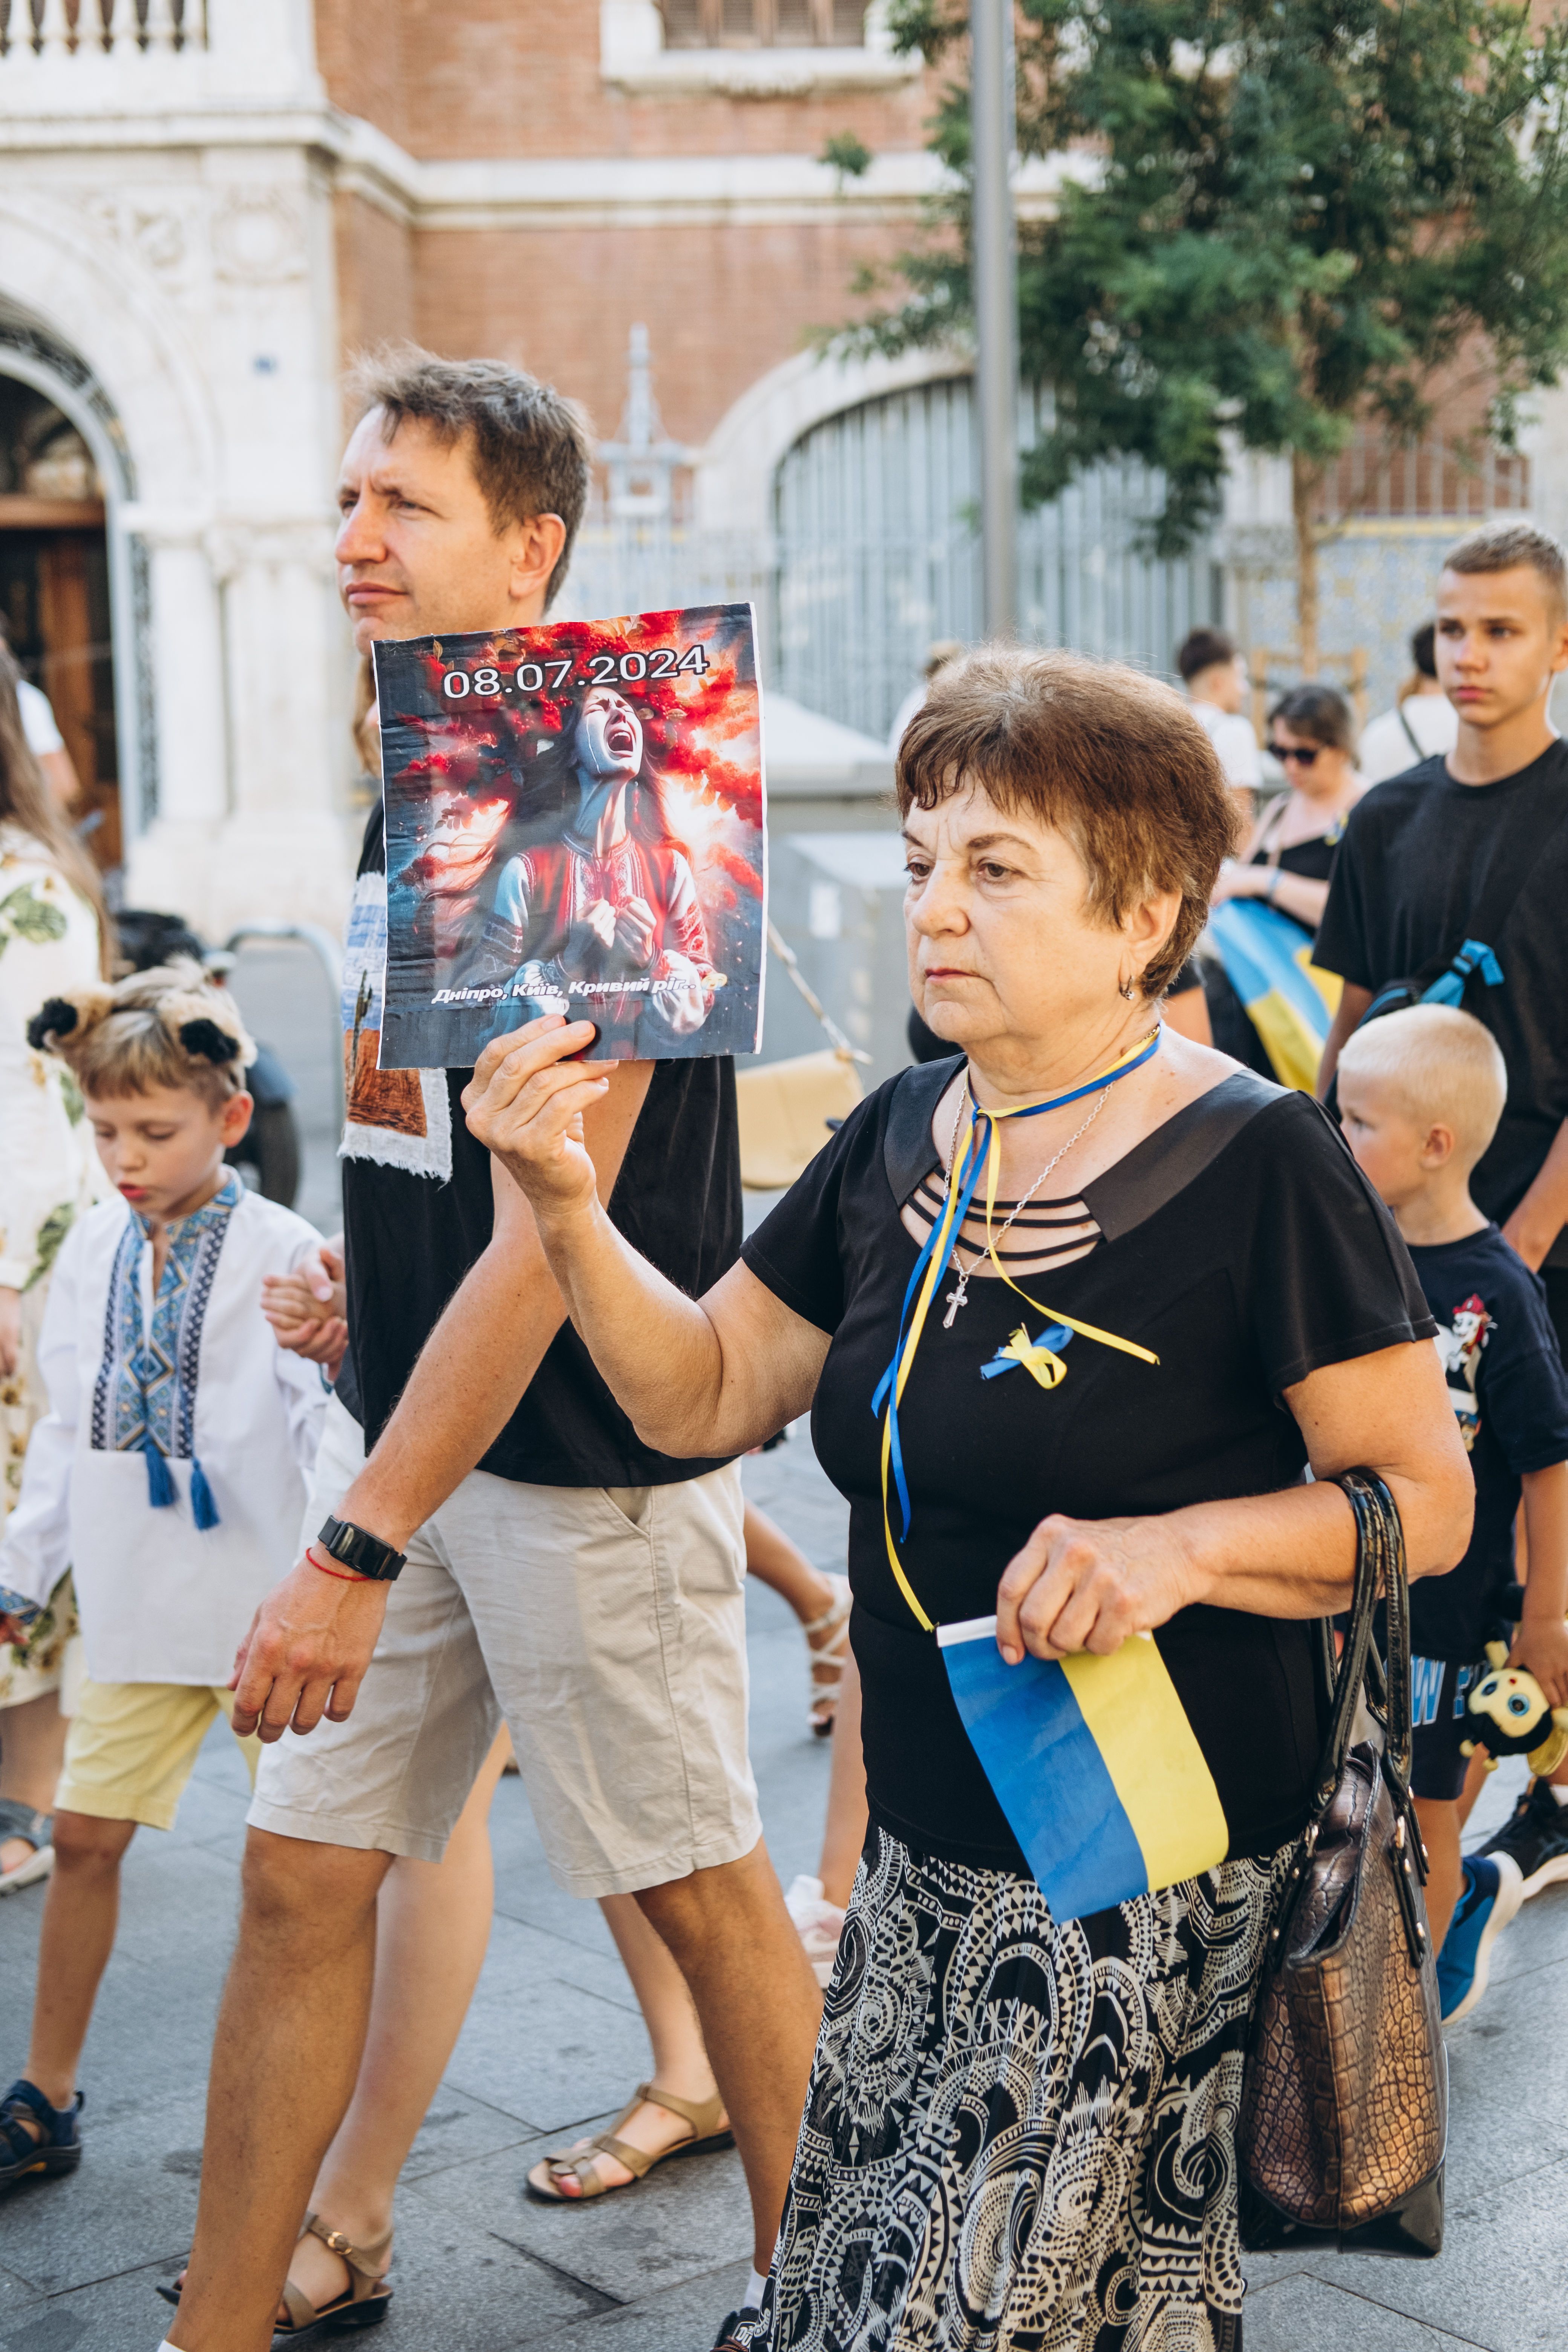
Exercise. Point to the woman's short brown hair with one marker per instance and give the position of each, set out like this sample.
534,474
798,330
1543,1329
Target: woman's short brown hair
1110,758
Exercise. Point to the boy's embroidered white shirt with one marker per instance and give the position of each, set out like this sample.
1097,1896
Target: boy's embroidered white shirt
161,1600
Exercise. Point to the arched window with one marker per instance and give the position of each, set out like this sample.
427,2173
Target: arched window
763,24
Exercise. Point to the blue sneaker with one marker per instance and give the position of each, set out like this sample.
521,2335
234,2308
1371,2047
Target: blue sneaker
22,2150
1491,1895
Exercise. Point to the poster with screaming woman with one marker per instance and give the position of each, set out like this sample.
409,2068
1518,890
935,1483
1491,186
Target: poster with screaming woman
574,825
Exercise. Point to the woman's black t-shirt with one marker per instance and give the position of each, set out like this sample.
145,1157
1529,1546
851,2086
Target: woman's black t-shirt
1274,1259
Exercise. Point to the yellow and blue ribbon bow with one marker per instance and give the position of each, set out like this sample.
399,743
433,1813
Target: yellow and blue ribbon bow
964,1178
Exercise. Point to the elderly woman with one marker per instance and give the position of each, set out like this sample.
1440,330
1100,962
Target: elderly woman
1019,2129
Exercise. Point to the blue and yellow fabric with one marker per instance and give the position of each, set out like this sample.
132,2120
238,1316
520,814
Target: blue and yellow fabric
1267,961
1094,1764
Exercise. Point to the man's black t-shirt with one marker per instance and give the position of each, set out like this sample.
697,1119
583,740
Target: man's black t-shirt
1275,1260
1421,857
417,1209
1507,1385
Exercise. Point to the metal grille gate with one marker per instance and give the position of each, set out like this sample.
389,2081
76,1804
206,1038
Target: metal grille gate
877,555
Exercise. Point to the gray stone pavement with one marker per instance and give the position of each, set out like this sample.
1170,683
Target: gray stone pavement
554,2044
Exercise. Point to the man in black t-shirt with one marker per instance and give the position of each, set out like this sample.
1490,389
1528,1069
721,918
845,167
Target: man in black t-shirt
1453,878
550,1568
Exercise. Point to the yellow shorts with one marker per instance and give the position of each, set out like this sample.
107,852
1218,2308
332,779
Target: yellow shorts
132,1748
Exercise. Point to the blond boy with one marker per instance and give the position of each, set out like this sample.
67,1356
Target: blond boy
1420,1094
170,1472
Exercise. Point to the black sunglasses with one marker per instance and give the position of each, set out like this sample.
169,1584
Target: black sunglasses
1303,756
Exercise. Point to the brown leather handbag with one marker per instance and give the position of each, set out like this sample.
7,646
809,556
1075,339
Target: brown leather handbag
1344,2106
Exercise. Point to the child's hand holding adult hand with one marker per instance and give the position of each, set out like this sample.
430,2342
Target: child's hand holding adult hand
1540,1646
308,1309
307,1651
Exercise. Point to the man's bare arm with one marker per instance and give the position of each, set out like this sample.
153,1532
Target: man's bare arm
312,1638
1543,1212
1354,1003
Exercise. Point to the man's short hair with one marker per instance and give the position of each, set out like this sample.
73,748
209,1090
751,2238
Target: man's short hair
1203,649
531,448
1423,648
1504,546
1112,758
1437,1066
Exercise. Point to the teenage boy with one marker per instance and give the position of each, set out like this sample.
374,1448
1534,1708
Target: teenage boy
169,1473
1457,874
1420,1095
577,1582
1215,675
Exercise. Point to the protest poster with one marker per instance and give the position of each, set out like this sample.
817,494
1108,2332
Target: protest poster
574,825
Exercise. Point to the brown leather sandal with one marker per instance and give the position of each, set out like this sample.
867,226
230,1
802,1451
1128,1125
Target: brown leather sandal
364,2305
707,2133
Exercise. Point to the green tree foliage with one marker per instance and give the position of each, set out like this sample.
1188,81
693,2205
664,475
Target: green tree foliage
1276,218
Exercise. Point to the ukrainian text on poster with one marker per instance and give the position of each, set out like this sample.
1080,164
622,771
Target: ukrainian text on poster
574,825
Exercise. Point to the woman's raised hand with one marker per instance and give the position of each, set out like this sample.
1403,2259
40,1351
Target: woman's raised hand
525,1103
1087,1584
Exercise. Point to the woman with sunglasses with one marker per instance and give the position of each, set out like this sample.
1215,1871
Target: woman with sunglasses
1290,855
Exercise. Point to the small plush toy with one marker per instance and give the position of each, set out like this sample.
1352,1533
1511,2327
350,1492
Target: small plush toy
1516,1720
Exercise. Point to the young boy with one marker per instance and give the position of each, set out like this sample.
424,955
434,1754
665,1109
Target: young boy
170,1471
1420,1096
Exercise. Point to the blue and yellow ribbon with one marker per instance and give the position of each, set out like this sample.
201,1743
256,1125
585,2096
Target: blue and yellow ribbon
933,1263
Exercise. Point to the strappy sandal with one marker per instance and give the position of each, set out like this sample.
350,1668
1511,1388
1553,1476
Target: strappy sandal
363,2306
827,1664
37,1830
707,2133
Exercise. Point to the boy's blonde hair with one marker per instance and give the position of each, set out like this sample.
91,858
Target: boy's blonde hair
1438,1065
173,1026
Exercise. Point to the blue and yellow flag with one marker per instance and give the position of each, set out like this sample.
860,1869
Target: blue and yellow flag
1267,961
1093,1762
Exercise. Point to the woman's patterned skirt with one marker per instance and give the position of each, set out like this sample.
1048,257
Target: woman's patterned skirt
1019,2136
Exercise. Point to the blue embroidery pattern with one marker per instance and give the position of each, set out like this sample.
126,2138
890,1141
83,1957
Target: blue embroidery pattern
144,1398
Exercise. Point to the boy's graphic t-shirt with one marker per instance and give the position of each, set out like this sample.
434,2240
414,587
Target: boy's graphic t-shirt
1423,862
1510,1394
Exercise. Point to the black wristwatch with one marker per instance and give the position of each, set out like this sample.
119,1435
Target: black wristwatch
362,1551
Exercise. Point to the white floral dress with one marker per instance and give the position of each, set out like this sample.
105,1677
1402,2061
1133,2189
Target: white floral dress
49,1172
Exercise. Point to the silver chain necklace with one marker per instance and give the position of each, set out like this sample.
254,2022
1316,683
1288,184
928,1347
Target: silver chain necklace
958,1295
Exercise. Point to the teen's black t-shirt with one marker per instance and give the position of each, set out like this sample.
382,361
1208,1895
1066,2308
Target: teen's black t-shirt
1274,1260
1507,1385
417,1209
1420,858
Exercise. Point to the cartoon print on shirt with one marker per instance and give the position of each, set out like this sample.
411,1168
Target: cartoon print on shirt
1460,1346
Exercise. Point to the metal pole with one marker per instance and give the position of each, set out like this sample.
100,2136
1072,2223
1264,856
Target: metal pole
994,267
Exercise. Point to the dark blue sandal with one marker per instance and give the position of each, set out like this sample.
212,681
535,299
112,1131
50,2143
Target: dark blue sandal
60,2147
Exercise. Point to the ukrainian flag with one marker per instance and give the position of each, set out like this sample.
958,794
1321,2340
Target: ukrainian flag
1268,961
1095,1765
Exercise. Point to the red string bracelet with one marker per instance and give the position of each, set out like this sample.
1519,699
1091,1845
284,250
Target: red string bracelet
343,1575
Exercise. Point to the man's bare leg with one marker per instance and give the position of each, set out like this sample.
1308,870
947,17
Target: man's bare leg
290,2036
760,2008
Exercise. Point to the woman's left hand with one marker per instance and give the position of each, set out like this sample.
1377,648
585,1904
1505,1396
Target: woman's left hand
1087,1584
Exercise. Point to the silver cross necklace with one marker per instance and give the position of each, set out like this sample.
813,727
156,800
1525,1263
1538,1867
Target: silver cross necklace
958,1295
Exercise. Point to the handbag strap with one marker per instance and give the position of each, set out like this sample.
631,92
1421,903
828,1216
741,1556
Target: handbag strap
1380,1575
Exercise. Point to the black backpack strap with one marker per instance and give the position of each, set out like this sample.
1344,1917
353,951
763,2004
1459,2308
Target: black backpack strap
1166,1162
907,1152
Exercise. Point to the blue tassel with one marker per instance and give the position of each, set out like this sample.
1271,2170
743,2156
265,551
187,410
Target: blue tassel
160,1485
203,1510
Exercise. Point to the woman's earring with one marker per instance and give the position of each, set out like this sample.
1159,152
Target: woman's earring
1128,991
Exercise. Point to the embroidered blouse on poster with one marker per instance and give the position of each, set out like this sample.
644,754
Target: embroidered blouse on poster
198,1371
1274,1259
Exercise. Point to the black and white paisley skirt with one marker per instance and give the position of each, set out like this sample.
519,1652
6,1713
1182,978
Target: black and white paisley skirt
1019,2136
